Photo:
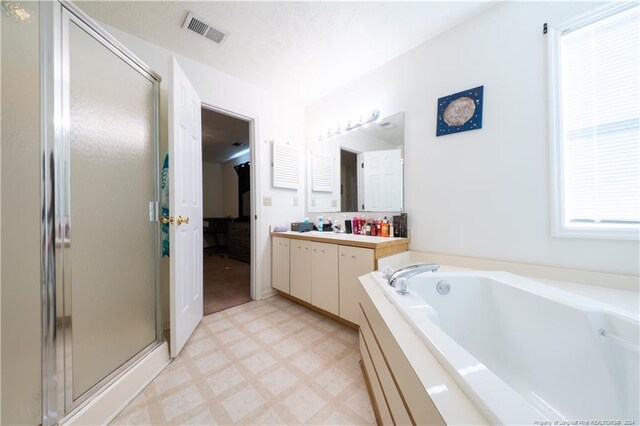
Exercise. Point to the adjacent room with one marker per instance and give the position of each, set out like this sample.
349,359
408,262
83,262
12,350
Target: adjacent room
226,206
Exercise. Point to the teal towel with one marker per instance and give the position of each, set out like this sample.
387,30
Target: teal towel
164,203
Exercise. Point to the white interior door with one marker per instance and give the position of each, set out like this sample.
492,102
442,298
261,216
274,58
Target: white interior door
185,185
382,174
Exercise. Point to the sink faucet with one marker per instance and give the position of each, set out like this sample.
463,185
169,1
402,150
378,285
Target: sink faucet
411,270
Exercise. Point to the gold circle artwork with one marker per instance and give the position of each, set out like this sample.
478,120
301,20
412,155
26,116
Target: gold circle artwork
459,111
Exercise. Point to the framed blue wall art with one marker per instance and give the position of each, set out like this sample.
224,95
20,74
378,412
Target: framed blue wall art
460,112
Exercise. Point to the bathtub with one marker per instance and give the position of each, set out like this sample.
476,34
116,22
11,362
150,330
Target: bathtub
526,352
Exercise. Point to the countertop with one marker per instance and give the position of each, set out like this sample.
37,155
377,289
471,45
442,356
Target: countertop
344,239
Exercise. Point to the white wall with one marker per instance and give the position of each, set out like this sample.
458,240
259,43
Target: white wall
275,119
483,193
212,201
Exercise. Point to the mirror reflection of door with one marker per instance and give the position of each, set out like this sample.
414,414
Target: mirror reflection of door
382,177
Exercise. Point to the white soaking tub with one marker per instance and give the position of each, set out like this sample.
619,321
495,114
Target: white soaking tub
526,352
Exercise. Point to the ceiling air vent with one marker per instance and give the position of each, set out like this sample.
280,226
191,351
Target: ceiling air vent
198,26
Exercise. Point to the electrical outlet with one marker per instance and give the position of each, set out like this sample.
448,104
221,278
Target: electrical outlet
334,203
295,201
266,200
313,202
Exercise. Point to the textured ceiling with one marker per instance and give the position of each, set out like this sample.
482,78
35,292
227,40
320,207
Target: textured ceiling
304,50
219,132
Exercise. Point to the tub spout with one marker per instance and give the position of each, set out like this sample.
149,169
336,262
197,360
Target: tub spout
411,270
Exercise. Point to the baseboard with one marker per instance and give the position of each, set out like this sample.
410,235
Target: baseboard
268,293
106,406
319,310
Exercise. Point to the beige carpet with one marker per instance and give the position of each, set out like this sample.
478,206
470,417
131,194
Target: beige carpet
226,282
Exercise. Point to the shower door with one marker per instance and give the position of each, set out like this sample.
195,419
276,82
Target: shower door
103,187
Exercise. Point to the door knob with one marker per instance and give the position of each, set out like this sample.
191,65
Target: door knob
167,220
182,220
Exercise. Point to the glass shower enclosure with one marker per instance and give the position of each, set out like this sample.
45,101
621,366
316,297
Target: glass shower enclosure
100,232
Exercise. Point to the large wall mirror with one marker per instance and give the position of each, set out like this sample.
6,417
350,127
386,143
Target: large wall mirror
359,170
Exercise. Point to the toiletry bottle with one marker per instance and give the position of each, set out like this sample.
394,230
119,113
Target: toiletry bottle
404,225
379,227
396,226
348,225
385,227
319,224
368,229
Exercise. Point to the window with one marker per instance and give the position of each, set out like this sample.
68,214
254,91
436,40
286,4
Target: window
595,123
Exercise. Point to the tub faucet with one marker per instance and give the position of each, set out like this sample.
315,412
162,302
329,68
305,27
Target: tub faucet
411,270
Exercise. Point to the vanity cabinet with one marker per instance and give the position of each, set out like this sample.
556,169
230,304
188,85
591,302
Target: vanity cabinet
280,264
352,263
321,270
324,277
300,267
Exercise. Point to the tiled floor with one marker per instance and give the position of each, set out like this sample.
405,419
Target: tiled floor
265,362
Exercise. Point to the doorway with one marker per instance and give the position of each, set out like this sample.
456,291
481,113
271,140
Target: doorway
226,205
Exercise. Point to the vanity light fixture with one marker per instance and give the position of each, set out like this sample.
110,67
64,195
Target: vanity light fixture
364,122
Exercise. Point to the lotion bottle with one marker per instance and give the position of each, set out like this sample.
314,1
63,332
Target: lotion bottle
385,227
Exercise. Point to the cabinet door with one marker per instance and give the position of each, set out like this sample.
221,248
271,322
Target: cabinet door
300,261
324,277
353,262
280,264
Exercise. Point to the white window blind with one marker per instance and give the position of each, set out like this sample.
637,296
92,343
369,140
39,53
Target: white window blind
600,121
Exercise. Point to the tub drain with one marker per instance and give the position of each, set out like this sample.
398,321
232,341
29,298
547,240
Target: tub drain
443,287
